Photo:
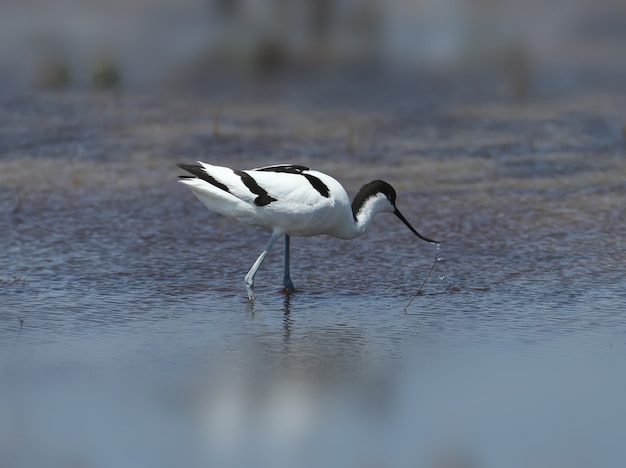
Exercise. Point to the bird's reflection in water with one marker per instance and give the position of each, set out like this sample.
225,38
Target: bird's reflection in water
297,380
286,405
287,323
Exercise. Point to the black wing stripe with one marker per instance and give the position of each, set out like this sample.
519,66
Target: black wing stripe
263,198
288,168
200,173
315,182
318,185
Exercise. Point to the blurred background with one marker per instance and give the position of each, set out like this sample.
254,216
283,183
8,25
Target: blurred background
158,43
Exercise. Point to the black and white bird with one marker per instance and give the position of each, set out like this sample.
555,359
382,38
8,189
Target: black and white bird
289,200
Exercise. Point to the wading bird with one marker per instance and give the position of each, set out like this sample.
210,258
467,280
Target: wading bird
289,200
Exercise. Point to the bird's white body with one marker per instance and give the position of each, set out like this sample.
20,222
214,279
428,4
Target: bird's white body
289,200
299,209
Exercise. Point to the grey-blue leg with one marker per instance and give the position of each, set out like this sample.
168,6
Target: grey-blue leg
289,287
249,279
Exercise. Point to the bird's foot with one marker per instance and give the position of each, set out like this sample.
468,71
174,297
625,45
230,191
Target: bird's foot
250,290
289,288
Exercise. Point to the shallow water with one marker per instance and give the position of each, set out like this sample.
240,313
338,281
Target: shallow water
126,338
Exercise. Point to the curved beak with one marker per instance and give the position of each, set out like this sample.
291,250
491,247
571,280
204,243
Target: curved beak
403,219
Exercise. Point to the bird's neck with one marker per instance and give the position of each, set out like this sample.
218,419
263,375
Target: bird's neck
363,220
363,212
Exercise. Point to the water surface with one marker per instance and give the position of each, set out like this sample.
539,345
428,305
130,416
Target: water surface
126,338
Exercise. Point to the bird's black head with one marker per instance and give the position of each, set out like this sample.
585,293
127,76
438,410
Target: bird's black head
380,186
372,189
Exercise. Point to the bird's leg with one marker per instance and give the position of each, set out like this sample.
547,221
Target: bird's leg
249,279
289,287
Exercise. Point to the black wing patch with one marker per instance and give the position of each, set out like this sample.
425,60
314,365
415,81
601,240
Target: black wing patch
288,168
200,173
315,182
318,185
263,197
